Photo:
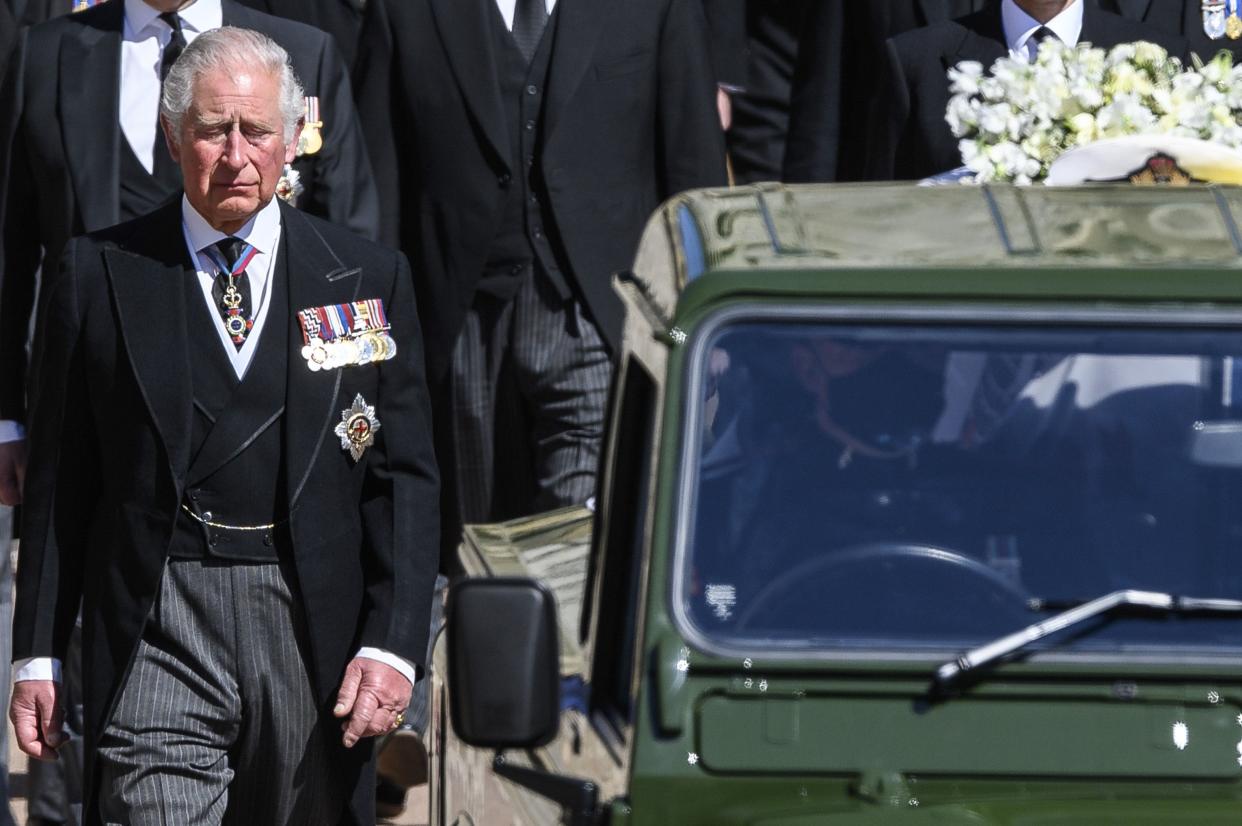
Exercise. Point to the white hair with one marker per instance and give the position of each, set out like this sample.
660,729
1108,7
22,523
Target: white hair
229,49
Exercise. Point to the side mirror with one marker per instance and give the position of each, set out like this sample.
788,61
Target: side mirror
503,663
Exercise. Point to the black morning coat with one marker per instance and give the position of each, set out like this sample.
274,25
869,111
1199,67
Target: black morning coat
110,437
61,139
910,138
340,18
837,82
1184,17
629,120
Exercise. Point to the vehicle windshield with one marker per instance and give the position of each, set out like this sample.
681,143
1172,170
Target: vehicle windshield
921,486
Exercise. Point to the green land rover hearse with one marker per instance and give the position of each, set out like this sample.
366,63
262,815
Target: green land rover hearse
918,505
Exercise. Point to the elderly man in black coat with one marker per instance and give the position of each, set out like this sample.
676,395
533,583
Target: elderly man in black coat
231,471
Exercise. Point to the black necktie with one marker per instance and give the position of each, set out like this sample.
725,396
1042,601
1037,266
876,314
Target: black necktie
238,319
163,168
529,19
1041,34
176,43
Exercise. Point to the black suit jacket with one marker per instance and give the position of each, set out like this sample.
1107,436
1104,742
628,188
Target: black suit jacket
340,18
912,139
629,120
1184,17
60,137
838,81
110,449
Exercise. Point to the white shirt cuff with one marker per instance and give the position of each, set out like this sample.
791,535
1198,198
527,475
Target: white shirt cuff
11,431
36,668
406,668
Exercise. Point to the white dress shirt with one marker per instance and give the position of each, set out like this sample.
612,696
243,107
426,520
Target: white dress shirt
507,8
143,40
263,233
1020,27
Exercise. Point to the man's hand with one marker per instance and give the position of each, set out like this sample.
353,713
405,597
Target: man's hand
12,471
38,717
371,696
724,108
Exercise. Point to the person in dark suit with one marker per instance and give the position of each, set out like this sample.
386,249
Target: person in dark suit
527,142
756,138
8,33
340,18
1184,17
78,135
912,139
839,81
232,471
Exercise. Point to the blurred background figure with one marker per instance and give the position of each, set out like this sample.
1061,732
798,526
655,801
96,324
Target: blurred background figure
911,138
760,110
340,18
839,81
1184,17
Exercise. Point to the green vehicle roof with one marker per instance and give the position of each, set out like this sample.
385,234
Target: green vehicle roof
1108,241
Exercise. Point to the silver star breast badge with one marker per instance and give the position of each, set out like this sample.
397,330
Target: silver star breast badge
357,427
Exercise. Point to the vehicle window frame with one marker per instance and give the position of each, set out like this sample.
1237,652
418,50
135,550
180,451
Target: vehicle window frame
627,490
890,314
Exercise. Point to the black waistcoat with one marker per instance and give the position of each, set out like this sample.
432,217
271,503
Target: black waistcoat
236,474
527,232
141,191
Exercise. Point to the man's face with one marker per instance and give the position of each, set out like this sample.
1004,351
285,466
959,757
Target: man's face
232,149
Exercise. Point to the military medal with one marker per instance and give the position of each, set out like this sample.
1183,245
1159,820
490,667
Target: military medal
289,187
235,322
311,141
1233,23
1214,18
357,427
345,335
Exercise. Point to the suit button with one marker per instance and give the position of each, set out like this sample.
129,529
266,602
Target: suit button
538,233
193,496
517,269
532,90
267,540
503,179
213,540
530,126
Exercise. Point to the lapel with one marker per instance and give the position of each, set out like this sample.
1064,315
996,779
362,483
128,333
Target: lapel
463,28
573,47
148,279
984,39
88,103
317,278
1137,9
934,11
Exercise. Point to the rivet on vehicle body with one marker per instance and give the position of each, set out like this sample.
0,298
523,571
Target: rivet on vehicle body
802,792
763,685
678,335
914,802
683,665
692,759
1214,697
746,663
748,683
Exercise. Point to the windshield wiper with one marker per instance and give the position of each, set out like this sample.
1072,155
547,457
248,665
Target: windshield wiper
953,671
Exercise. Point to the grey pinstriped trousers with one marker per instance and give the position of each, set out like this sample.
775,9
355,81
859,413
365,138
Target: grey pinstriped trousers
530,381
216,722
